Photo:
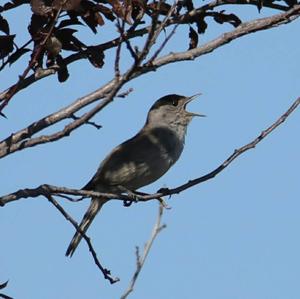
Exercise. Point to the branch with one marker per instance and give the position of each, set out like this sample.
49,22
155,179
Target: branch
132,33
266,3
16,141
23,139
140,260
235,154
54,190
45,189
157,52
106,273
120,28
244,29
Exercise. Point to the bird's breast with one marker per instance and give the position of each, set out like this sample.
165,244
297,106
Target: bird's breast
142,159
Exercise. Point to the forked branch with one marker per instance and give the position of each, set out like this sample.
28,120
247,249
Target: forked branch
140,259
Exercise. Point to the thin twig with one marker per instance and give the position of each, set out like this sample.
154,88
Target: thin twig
140,259
106,273
120,28
46,189
124,37
168,37
238,152
69,198
156,29
92,123
124,94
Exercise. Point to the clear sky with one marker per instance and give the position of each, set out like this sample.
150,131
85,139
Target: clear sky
234,237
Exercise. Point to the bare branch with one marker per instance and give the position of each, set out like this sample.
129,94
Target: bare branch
73,116
156,29
124,94
243,29
106,273
23,138
140,260
53,190
235,154
120,28
132,33
45,189
157,52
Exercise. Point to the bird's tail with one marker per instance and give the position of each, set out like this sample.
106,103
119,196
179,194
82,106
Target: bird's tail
94,208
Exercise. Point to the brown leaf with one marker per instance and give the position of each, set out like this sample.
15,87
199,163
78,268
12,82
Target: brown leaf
62,73
98,19
162,7
122,9
290,3
91,22
36,25
69,22
221,17
139,8
117,7
108,13
188,4
16,55
68,41
4,27
66,5
95,56
6,44
40,7
8,6
201,25
89,14
193,35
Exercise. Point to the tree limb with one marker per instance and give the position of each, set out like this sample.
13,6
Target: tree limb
23,138
106,273
54,190
132,33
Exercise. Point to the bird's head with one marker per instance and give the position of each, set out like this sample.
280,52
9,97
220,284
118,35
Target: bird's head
171,110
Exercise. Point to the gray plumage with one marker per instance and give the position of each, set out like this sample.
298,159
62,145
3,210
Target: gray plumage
142,159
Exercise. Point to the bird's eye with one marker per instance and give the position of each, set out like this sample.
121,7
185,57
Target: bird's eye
175,103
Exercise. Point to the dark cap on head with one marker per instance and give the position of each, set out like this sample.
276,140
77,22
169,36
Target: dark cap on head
170,99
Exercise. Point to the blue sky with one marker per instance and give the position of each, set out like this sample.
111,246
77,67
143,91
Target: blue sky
234,237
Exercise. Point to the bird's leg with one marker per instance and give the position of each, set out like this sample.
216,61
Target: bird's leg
131,194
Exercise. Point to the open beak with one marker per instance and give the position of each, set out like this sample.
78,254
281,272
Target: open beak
189,99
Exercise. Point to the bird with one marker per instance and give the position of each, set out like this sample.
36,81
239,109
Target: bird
142,159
